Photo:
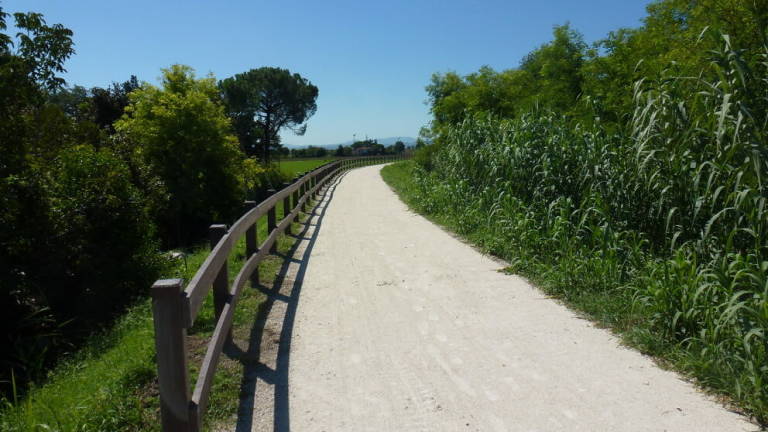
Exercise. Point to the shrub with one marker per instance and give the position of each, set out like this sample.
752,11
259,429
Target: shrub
181,132
86,254
104,239
257,178
425,154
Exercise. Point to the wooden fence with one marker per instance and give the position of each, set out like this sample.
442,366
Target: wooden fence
175,307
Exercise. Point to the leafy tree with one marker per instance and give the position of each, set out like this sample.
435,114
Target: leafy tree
555,69
73,100
339,151
93,112
104,246
549,76
28,69
446,98
109,104
181,132
75,240
26,72
399,147
263,101
672,41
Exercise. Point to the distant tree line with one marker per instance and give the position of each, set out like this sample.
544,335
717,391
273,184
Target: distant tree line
368,147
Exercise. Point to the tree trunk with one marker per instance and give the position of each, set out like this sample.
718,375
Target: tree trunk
267,139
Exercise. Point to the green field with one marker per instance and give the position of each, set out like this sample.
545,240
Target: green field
292,167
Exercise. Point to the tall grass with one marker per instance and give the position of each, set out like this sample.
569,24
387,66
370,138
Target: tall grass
659,230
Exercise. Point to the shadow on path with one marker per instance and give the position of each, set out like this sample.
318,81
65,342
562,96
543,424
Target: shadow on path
286,290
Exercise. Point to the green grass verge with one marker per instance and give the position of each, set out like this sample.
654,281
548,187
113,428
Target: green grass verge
614,308
292,167
110,384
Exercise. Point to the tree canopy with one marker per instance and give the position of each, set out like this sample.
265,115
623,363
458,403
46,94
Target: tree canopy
263,101
181,132
578,80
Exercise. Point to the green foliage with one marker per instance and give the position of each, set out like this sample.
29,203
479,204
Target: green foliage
398,147
371,147
90,194
554,70
108,104
28,329
548,77
258,179
661,231
89,253
76,238
40,49
181,132
582,82
263,101
424,156
309,152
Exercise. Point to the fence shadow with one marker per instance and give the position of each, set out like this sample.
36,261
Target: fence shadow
286,291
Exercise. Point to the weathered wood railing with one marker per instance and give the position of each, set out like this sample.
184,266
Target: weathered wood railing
175,307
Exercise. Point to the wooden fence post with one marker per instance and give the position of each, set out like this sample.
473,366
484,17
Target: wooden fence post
251,243
221,283
287,208
272,222
303,193
296,195
171,347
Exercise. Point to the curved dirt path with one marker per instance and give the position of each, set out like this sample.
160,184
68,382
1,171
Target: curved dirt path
401,327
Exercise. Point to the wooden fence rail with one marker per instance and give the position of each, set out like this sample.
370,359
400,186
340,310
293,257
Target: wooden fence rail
175,307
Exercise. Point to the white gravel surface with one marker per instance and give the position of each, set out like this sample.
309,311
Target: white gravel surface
392,324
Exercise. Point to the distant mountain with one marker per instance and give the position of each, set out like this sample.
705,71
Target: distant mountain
391,140
409,141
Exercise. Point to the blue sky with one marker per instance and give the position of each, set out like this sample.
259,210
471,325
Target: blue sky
370,60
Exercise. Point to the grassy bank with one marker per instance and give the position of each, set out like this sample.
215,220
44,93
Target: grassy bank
610,287
111,385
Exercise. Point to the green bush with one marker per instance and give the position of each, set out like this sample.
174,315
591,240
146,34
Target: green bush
181,133
83,255
424,155
258,179
104,239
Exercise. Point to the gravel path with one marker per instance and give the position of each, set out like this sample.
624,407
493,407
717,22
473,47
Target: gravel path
401,327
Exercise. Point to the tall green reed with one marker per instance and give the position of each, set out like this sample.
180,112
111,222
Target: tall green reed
669,216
